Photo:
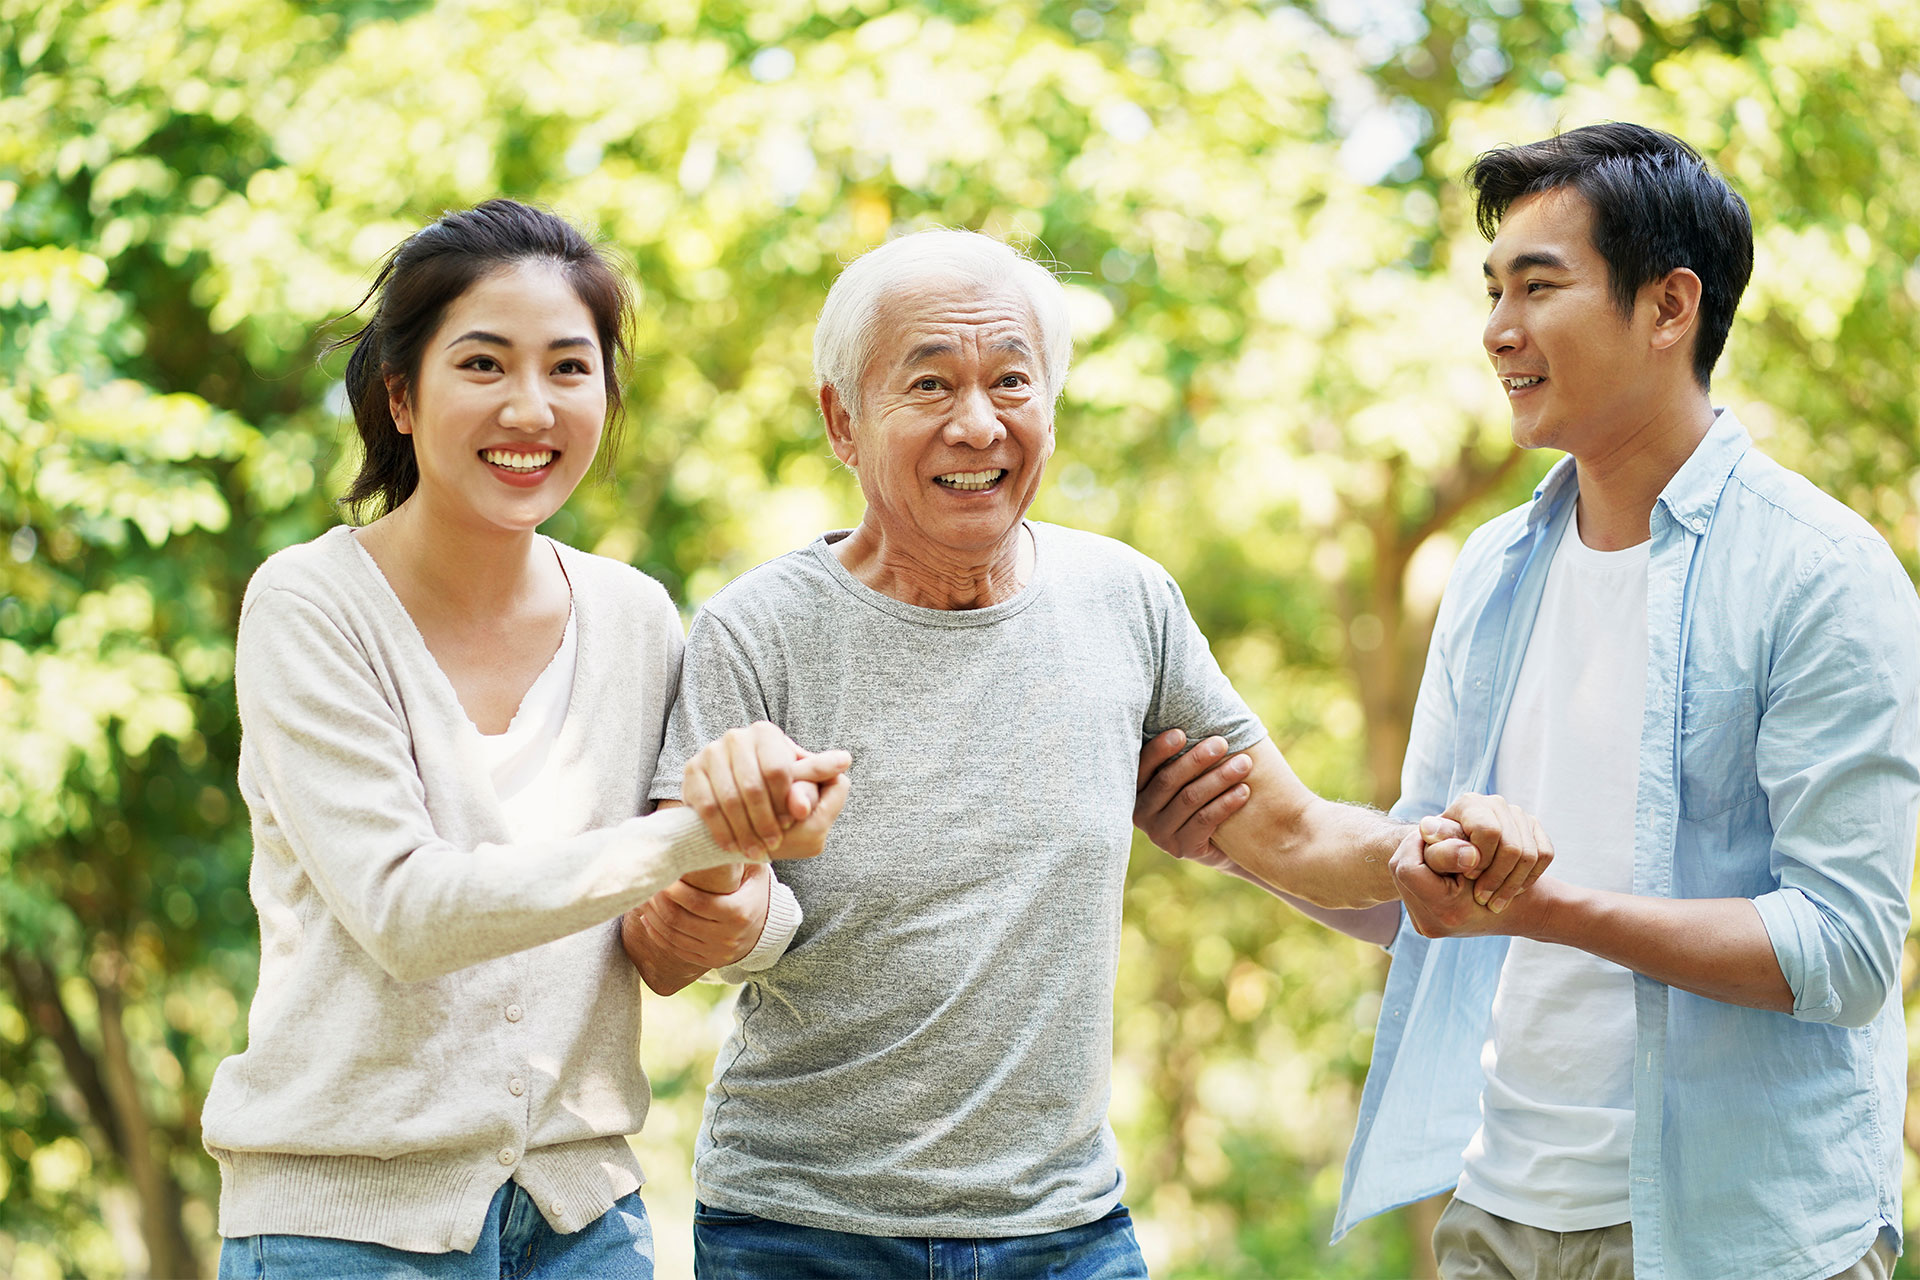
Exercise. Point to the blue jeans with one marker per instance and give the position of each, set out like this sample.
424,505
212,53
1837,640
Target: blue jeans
739,1246
515,1244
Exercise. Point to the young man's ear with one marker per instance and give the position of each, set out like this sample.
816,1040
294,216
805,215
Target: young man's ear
839,426
1676,301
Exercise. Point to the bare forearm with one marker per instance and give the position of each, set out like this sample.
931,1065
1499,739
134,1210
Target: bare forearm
1378,924
1332,855
662,971
1712,947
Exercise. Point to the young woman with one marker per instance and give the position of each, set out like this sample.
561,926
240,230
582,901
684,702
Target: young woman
450,723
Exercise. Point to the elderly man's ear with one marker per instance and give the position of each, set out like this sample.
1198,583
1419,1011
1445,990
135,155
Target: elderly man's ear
839,426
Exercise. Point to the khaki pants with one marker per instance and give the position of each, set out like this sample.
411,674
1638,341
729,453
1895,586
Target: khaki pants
1473,1244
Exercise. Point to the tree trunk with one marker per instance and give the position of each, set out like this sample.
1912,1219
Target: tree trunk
143,1151
40,999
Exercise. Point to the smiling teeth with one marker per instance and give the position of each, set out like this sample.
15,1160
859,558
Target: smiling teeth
1515,384
971,480
517,461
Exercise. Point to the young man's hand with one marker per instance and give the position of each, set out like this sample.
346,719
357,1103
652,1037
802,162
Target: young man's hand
1461,871
1184,796
1487,840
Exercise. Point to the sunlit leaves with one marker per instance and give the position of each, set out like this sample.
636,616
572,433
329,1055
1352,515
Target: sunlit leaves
1278,391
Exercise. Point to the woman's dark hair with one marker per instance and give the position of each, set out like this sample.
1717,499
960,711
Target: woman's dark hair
1656,206
420,280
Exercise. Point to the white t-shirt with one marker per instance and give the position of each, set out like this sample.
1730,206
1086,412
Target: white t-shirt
1557,1113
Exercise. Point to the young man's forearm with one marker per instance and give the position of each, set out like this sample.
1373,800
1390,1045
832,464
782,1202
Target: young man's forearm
1712,947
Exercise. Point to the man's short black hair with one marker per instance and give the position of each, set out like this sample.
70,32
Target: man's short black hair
1656,206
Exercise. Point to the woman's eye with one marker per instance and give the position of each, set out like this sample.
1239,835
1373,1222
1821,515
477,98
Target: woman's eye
572,366
483,364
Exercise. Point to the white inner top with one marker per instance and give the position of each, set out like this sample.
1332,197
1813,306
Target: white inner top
519,757
1557,1114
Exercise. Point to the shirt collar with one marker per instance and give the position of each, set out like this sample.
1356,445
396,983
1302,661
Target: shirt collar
1695,488
1689,496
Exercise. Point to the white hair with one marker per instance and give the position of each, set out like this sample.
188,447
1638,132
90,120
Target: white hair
849,326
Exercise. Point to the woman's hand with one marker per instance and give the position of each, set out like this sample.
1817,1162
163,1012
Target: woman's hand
762,795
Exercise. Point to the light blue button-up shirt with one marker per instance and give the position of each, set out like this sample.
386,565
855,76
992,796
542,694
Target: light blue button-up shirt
1779,761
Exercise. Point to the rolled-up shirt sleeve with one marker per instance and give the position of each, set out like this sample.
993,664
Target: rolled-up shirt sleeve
1838,755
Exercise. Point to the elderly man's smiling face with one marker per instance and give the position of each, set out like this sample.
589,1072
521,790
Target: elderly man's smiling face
955,425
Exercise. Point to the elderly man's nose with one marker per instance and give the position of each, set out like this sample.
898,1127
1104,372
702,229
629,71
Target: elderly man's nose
974,421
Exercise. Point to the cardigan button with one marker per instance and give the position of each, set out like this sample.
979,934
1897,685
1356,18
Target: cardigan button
507,1156
516,1086
513,1013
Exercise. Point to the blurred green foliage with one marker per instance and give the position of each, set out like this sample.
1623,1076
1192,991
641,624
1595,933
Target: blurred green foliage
1278,393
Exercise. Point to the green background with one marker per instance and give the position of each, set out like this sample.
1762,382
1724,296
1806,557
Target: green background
1278,392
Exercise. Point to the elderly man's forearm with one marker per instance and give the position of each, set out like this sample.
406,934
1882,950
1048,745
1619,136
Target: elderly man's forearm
1330,854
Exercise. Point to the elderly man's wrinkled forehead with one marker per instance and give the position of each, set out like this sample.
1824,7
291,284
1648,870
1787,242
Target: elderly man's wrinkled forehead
934,315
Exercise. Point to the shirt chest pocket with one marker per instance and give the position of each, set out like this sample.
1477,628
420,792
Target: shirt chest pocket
1718,729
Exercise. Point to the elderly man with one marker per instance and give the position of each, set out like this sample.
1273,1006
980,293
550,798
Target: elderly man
917,1078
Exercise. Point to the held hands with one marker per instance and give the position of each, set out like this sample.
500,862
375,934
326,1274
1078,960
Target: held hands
759,795
1182,799
1459,872
762,796
688,930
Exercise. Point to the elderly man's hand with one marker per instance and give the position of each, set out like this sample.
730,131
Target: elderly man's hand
683,931
1182,799
1496,845
760,793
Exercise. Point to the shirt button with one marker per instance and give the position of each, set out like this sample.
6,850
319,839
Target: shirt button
513,1013
507,1156
516,1086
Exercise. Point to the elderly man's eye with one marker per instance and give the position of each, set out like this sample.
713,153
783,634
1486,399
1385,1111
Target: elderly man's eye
927,384
1014,380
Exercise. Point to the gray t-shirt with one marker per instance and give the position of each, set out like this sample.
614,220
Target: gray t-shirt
931,1056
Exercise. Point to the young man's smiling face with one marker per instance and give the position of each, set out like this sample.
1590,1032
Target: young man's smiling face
1579,374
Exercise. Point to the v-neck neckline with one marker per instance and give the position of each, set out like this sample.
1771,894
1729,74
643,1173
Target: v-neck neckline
574,613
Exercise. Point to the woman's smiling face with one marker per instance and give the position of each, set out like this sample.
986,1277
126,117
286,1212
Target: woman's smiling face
507,409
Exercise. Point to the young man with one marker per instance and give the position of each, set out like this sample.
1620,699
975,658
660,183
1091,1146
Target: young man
1682,1054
